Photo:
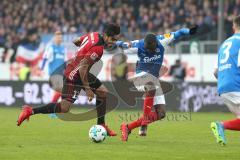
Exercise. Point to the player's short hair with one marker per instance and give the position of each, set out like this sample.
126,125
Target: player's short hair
150,40
111,29
58,32
236,21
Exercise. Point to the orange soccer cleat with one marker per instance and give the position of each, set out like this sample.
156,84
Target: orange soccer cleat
110,132
25,114
125,132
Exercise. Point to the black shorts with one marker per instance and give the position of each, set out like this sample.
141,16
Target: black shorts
71,89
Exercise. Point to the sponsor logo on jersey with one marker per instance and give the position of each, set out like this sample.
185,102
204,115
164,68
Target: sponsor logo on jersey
167,35
224,67
150,59
59,56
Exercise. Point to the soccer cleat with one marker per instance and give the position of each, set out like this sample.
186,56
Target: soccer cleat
110,132
143,130
125,132
218,131
25,114
53,116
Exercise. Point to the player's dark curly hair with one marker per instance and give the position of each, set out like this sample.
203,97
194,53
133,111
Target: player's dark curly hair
150,41
111,29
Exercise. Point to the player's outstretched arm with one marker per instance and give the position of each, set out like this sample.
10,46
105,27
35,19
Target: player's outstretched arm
163,70
78,41
127,45
185,31
44,61
166,39
48,55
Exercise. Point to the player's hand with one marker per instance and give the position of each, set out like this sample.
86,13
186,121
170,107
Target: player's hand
89,94
163,70
193,29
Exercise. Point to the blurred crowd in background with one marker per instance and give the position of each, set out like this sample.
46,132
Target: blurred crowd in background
24,21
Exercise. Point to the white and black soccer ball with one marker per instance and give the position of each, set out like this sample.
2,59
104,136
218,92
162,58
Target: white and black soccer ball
97,133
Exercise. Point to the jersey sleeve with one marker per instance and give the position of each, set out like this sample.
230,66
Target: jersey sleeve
130,51
168,38
82,38
48,53
126,45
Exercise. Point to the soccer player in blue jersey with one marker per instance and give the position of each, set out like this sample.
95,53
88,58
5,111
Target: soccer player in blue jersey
55,55
228,75
150,51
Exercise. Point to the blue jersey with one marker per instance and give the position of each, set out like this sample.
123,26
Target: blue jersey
228,65
56,55
151,62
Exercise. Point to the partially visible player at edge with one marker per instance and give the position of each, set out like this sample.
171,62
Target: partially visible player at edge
77,77
150,51
55,55
228,75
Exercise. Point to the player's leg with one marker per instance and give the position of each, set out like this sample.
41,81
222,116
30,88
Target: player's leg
158,113
143,82
148,102
101,101
27,111
68,97
153,96
56,82
232,100
147,107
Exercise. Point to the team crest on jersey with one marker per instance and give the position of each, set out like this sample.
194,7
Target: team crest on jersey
167,35
157,50
94,56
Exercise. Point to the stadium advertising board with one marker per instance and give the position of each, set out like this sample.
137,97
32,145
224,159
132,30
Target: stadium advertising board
185,97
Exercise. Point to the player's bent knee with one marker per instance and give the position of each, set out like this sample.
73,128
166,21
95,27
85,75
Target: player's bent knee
102,92
161,115
65,106
65,109
160,110
58,89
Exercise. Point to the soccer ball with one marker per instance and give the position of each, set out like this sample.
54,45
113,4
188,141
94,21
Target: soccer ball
97,133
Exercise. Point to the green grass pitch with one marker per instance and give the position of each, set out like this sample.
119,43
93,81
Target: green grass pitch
180,136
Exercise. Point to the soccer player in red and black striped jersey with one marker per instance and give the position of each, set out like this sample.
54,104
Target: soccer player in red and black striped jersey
78,77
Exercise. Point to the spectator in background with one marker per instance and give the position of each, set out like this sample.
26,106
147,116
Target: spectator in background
119,67
24,72
55,55
17,17
178,71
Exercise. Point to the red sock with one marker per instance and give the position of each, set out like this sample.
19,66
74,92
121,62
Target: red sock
56,96
147,105
151,117
135,124
232,124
